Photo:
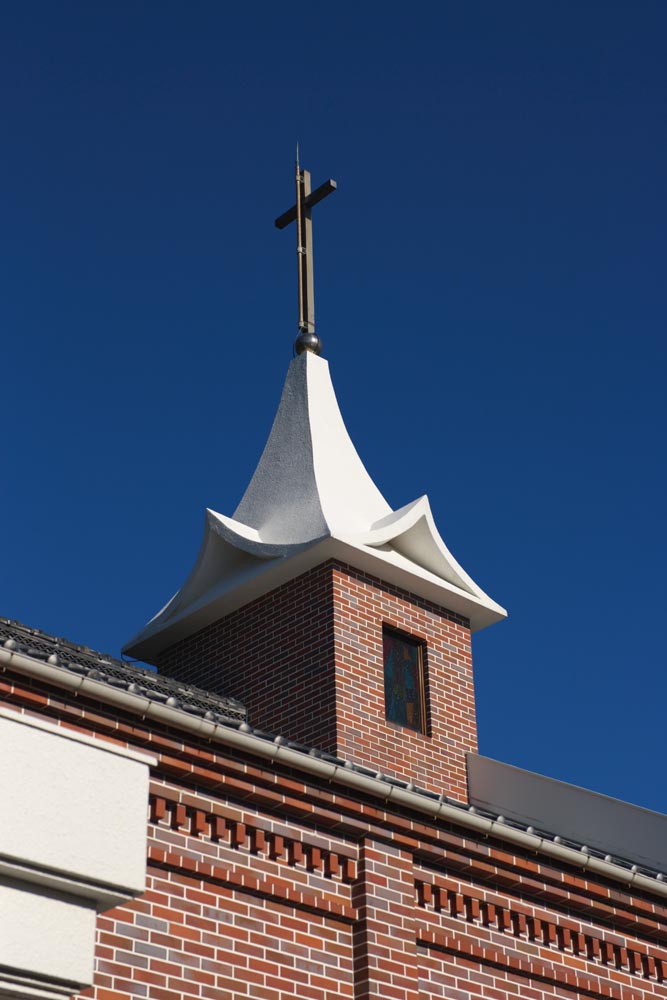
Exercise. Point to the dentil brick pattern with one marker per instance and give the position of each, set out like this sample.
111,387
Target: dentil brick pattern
306,660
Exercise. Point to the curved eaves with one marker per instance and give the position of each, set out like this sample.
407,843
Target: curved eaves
221,559
246,539
412,532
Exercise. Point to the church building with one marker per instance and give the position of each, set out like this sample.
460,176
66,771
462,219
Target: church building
293,806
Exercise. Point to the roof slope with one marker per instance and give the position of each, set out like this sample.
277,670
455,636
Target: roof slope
117,673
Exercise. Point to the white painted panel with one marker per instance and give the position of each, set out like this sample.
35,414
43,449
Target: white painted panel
46,935
71,807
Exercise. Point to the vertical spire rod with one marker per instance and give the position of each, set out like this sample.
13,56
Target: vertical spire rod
301,213
300,249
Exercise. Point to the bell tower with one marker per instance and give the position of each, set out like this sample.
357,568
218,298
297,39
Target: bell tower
339,622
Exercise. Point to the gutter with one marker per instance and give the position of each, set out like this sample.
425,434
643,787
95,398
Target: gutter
327,771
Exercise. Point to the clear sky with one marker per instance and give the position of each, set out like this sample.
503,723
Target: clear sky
490,289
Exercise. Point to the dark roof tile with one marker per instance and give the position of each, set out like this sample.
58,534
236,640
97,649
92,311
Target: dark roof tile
117,673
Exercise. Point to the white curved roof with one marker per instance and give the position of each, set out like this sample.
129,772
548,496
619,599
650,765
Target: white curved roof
310,482
311,499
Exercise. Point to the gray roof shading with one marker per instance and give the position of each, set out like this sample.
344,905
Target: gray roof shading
607,825
117,673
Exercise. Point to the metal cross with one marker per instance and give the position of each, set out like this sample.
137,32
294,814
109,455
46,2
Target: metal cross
301,213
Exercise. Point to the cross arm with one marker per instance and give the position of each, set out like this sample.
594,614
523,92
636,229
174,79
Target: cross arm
316,196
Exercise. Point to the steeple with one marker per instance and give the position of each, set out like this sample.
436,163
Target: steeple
311,499
337,621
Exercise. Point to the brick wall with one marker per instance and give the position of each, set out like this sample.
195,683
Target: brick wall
436,760
385,955
276,655
264,884
306,660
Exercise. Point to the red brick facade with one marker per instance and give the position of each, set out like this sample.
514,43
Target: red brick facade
436,760
264,884
306,661
276,655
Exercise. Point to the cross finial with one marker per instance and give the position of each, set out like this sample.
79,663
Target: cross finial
301,213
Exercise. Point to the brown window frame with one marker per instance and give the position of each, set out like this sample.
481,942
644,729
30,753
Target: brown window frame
420,646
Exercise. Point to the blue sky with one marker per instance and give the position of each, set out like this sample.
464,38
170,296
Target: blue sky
490,290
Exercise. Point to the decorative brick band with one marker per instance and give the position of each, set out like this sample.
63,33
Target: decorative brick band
539,882
244,836
533,970
246,881
642,961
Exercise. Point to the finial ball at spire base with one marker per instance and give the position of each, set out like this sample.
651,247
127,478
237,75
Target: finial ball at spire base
307,342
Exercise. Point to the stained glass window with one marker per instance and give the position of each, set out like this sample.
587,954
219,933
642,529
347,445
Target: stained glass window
404,680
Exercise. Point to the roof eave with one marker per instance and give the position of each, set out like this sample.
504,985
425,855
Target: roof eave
265,575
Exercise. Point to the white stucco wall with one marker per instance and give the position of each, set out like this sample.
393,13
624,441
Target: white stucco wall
73,805
41,933
72,842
